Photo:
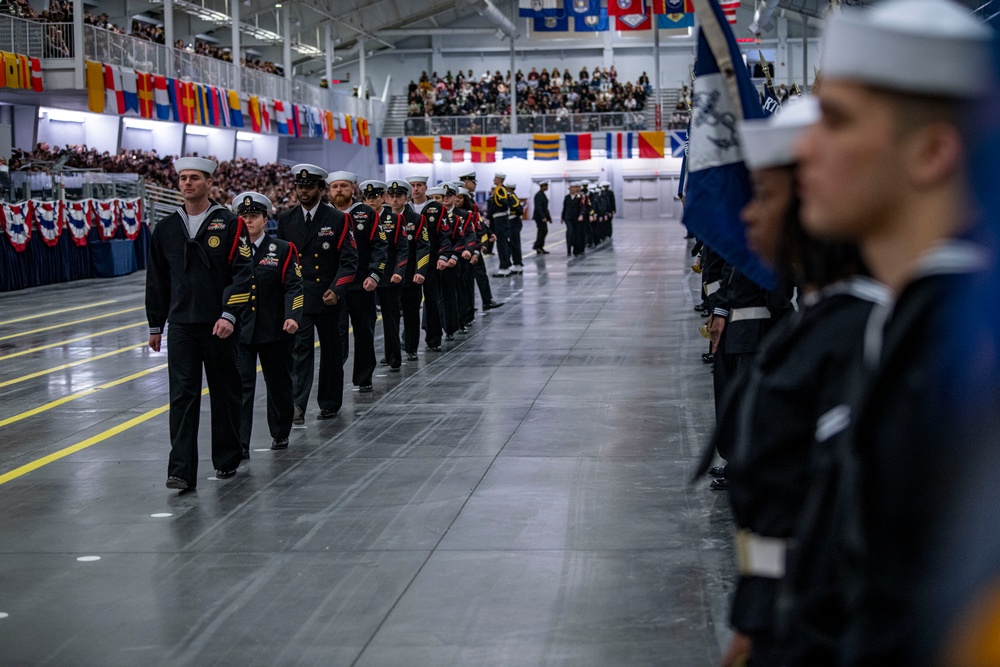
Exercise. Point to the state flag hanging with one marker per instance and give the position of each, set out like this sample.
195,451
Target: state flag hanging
390,151
484,148
618,145
671,6
537,8
718,183
551,24
626,7
578,146
651,144
420,150
596,22
630,22
674,21
546,146
454,149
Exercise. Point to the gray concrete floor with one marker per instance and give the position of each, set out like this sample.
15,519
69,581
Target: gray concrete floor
522,498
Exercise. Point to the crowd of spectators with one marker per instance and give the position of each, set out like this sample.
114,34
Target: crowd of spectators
59,11
537,93
275,181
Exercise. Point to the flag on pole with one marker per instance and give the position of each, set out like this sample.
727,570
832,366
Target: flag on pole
390,151
454,149
546,146
484,148
95,86
578,146
718,184
515,146
618,145
651,144
729,8
771,102
420,150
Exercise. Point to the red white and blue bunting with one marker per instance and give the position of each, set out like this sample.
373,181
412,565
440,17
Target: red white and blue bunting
106,211
130,212
49,217
17,224
78,219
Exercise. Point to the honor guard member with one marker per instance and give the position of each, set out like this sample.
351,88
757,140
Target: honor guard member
199,279
612,206
466,288
588,213
497,212
390,289
600,220
886,167
572,217
268,326
514,226
450,278
328,257
372,251
498,179
418,264
486,236
439,231
540,214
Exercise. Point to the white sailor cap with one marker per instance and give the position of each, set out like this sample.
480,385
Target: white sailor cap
416,179
449,188
500,174
398,186
770,142
348,176
470,176
251,202
575,184
196,163
372,188
925,47
308,174
436,190
541,183
605,184
510,185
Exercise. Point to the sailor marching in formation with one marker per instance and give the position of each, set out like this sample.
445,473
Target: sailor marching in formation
848,420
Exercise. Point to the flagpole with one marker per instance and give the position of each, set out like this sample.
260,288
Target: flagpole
658,112
513,89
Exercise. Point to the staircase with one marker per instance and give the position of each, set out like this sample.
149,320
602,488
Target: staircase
395,117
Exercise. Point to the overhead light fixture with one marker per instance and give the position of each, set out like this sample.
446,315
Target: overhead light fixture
136,124
212,16
244,136
62,115
197,131
307,49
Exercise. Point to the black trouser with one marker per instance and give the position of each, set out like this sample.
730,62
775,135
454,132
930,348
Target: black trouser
449,299
502,230
390,298
578,236
330,395
432,307
466,293
192,347
483,281
543,231
514,226
361,314
569,237
276,364
410,300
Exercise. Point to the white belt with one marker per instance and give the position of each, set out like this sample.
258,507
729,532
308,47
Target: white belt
755,313
500,215
712,288
760,556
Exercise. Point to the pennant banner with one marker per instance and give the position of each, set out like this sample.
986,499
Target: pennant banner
78,220
578,146
106,212
546,146
515,146
651,144
484,148
420,150
17,223
48,216
618,145
390,151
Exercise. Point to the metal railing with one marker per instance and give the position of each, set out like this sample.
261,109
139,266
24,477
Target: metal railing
35,39
161,202
74,185
553,123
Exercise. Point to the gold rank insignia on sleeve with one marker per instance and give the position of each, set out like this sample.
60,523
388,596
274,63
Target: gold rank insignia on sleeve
237,299
297,302
423,234
298,270
422,262
381,234
244,250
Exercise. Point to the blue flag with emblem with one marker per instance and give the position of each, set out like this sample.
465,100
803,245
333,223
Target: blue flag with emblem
771,101
718,183
551,23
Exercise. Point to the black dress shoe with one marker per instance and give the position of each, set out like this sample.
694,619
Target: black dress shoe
246,454
383,361
411,356
708,358
719,484
463,330
179,484
393,369
279,444
717,471
365,389
299,418
449,337
224,474
434,348
324,414
493,304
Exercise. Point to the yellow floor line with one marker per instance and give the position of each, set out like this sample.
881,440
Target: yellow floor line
62,367
72,340
69,324
57,312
